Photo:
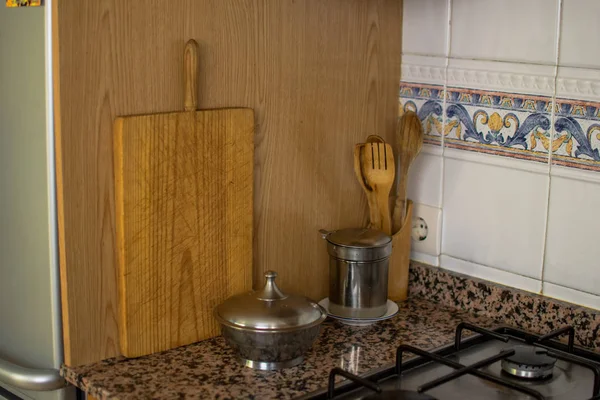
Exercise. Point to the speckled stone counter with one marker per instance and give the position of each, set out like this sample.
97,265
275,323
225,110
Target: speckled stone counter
210,369
439,300
529,311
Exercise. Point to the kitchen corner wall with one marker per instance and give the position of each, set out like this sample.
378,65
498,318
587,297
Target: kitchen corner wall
509,95
320,76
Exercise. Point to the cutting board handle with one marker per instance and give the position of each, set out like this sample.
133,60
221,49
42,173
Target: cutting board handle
190,75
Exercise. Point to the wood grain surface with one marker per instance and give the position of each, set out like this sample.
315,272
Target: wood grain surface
184,223
321,75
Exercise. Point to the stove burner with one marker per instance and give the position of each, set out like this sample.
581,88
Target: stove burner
399,395
529,362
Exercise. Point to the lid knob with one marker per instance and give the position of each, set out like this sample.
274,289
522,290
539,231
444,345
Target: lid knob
271,291
270,275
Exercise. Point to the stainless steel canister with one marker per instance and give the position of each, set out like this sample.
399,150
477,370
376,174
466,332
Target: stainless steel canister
358,272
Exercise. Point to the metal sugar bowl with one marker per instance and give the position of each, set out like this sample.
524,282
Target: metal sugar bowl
358,272
269,329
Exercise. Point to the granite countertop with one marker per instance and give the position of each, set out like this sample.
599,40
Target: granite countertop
210,369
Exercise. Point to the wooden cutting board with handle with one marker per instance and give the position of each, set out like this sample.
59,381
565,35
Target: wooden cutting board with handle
184,191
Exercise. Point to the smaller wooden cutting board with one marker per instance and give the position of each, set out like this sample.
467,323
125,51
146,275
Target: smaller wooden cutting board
184,191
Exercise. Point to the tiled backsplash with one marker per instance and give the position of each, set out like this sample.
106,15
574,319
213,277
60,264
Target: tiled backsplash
508,124
509,96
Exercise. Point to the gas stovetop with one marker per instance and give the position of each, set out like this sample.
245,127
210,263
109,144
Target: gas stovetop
506,363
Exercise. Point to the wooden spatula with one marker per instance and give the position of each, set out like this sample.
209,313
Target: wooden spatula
409,140
379,170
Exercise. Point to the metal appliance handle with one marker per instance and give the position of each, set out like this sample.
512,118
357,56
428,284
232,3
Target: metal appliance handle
30,378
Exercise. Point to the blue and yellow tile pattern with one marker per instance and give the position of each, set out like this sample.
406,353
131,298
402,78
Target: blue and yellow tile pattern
508,124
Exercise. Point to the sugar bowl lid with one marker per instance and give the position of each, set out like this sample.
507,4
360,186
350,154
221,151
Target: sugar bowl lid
269,309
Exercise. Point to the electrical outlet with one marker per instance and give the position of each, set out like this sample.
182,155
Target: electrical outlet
426,229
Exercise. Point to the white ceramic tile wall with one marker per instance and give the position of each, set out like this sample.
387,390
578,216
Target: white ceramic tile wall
501,219
510,30
494,216
490,273
580,33
425,177
572,254
424,27
572,248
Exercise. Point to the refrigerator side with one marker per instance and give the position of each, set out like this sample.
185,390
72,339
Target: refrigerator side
30,322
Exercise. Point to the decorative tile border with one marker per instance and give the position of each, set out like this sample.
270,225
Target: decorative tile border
508,124
498,123
522,82
573,83
427,101
579,88
508,305
577,138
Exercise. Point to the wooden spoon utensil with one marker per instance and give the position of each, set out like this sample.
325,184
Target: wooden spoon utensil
409,140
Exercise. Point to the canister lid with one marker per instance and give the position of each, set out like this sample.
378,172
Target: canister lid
269,309
358,244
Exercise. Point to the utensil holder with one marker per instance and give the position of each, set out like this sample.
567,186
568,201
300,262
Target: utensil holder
400,259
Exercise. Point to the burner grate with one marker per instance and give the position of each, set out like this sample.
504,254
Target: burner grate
463,370
559,332
535,360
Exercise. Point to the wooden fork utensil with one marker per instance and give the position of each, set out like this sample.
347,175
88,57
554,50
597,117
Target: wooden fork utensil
374,218
378,170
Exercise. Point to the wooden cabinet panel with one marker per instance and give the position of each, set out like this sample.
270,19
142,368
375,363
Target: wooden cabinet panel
320,74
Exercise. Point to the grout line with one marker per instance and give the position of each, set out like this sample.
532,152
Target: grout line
550,152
